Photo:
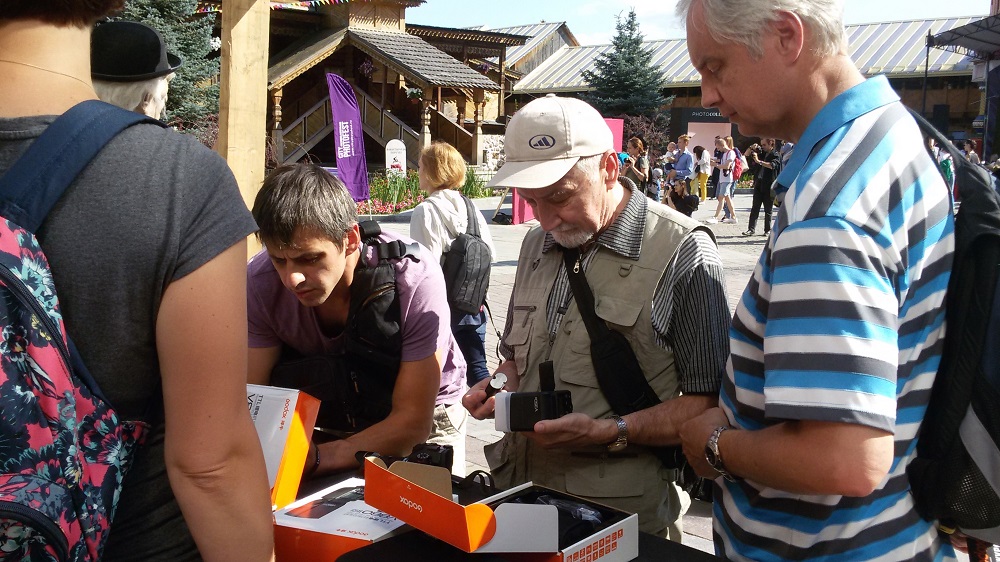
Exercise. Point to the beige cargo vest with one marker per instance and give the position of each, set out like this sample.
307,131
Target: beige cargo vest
633,480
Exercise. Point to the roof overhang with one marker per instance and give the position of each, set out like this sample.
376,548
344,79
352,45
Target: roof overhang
303,55
979,39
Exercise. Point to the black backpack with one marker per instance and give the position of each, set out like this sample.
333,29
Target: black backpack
467,267
955,477
356,386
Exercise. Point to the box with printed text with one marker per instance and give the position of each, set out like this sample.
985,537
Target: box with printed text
329,523
528,520
284,419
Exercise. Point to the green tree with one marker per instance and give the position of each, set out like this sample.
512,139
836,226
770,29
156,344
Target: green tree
625,80
189,35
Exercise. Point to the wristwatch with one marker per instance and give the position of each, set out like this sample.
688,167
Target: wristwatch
714,457
622,441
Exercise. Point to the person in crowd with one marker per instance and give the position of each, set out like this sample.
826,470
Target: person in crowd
636,163
148,249
656,185
684,167
725,188
702,167
669,157
944,162
435,223
680,200
670,302
131,68
299,295
970,152
836,338
765,163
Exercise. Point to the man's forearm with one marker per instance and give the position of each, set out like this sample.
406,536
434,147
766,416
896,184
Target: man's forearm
393,436
660,425
810,457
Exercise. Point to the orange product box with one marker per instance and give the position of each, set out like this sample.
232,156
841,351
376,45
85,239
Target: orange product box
421,496
329,523
284,419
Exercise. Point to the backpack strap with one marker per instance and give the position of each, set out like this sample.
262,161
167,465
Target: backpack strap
36,181
41,175
473,227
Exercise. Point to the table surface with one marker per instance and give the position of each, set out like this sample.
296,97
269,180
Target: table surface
419,547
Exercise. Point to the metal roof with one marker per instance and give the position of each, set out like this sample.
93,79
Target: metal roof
537,32
894,48
419,59
979,39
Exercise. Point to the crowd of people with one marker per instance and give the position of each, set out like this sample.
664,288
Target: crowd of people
792,405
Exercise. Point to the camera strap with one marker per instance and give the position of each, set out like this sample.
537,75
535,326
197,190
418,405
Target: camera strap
618,372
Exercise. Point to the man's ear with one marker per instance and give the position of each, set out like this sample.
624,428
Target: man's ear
352,239
789,34
147,99
611,167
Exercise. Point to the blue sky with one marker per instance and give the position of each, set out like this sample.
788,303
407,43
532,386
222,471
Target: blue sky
593,21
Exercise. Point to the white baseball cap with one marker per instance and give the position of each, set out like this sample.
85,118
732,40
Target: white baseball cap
546,138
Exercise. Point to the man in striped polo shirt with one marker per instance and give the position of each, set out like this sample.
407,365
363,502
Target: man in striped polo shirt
837,338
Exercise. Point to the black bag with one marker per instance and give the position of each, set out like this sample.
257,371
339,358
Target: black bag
617,368
355,387
954,476
467,267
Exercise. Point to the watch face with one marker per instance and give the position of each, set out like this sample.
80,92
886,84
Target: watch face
710,456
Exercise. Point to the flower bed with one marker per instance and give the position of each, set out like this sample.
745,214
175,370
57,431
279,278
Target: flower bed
394,193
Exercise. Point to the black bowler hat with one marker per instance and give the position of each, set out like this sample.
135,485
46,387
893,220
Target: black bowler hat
129,51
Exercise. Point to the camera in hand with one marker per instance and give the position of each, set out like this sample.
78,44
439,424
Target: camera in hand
423,453
519,411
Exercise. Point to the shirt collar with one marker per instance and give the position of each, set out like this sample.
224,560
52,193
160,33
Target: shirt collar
846,107
624,236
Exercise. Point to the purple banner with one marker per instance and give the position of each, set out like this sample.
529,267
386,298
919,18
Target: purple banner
348,137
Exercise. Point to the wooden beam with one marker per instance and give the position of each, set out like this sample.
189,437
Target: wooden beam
243,93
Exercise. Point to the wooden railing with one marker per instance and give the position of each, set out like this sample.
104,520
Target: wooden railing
449,131
383,126
306,131
316,122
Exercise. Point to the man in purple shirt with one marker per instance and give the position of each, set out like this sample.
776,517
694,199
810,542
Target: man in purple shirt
298,299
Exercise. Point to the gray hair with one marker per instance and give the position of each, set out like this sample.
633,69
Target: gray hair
130,95
590,165
746,21
303,196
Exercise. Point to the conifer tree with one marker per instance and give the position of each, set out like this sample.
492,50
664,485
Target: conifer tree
625,80
188,35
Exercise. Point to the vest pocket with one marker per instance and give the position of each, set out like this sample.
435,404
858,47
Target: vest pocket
620,314
608,477
522,318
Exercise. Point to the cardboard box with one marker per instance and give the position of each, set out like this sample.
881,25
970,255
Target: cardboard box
329,523
284,419
421,496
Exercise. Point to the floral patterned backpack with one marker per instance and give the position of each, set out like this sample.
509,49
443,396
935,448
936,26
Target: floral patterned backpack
63,449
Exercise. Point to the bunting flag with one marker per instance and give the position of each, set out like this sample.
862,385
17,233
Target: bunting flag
348,138
284,5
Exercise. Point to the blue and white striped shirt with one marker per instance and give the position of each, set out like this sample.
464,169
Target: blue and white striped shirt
843,321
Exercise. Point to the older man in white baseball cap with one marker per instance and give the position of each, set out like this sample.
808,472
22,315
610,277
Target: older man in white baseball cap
655,276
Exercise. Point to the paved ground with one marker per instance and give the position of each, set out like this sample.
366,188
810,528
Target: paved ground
739,255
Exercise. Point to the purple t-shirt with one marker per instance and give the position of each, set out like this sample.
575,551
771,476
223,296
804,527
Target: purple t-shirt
276,317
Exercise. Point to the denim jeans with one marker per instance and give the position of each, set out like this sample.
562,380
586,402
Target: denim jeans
472,341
